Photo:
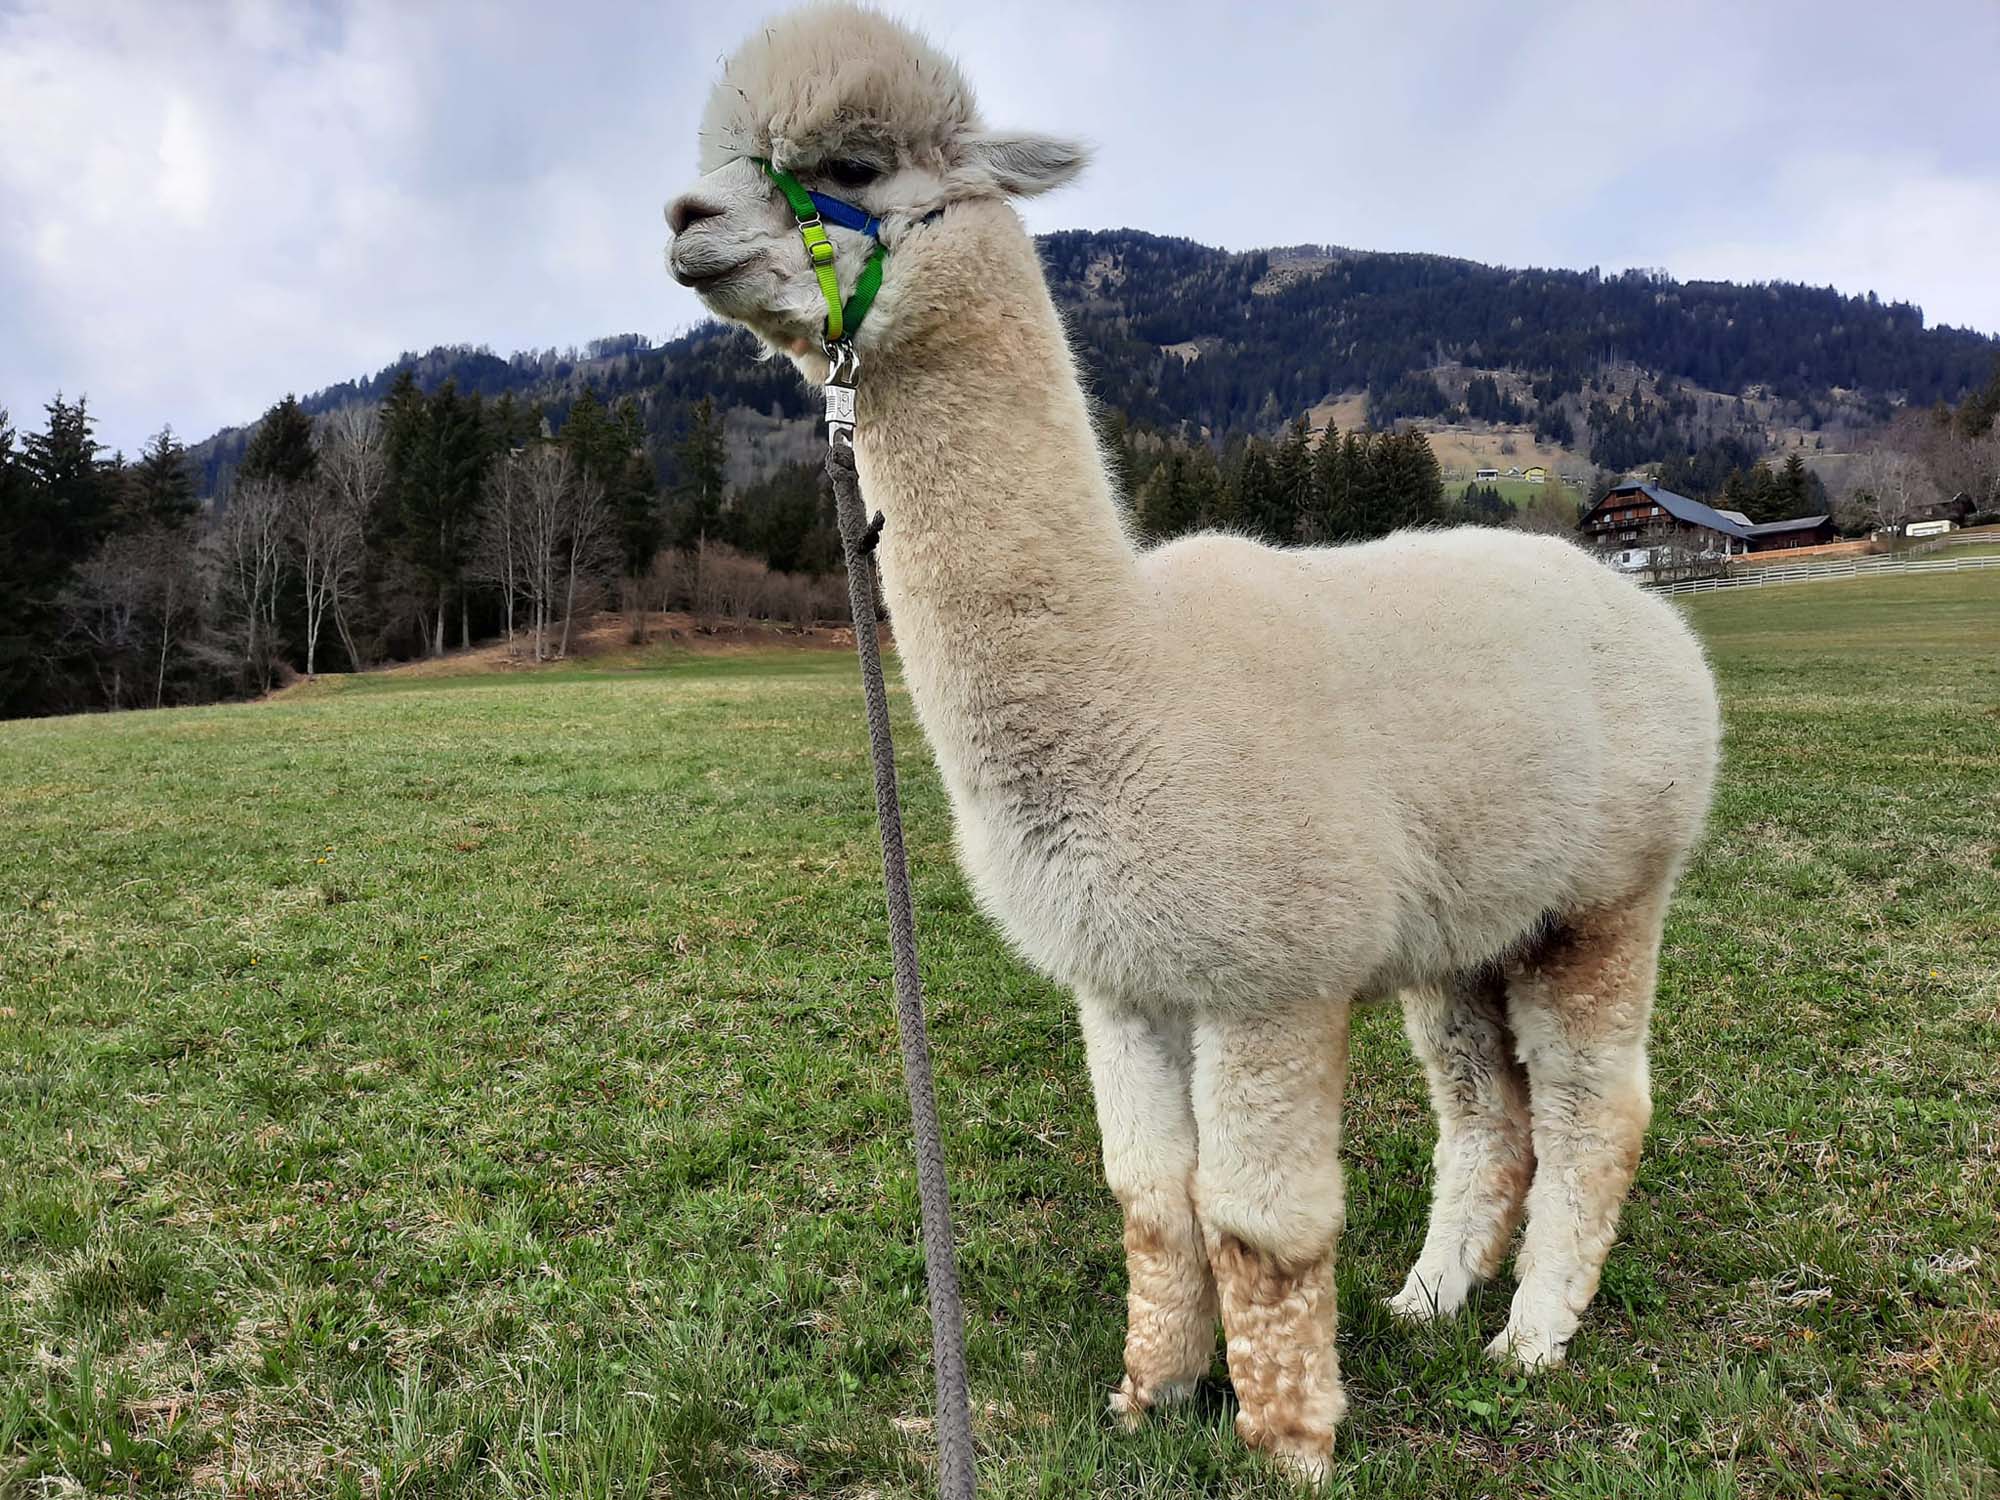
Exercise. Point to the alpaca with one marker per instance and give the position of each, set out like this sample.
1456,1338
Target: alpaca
1220,790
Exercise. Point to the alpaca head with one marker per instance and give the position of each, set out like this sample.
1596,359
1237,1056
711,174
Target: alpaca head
862,109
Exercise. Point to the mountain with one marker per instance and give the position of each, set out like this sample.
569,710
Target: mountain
1183,337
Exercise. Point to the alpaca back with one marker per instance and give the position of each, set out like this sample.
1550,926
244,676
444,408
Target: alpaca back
1361,767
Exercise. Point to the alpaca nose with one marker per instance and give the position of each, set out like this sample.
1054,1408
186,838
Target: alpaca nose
688,210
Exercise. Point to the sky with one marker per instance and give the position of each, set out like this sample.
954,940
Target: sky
205,204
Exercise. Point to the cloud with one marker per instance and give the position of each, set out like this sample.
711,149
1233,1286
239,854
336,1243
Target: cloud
204,206
1893,224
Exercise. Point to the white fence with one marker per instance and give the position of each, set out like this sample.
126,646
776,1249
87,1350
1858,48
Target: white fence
1835,567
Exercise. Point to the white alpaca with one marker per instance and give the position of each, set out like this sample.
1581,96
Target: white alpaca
1222,790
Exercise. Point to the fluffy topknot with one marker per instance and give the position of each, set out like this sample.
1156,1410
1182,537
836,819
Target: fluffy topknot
828,78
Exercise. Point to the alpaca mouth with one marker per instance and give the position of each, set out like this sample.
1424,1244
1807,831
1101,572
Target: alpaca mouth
703,277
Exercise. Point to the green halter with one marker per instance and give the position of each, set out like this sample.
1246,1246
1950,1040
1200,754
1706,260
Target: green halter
811,209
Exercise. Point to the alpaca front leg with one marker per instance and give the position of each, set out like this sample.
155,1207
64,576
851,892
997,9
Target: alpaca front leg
1579,1012
1139,1065
1267,1093
1485,1156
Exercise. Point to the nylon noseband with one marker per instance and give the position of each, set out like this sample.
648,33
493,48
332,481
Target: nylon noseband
815,211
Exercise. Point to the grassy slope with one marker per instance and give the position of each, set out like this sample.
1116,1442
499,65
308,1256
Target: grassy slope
489,1086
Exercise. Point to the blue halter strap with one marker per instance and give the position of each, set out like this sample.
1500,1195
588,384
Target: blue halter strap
846,215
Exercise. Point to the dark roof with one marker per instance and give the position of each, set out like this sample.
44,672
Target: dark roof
1683,509
1799,523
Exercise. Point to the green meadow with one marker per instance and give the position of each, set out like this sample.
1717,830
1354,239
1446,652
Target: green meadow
488,1085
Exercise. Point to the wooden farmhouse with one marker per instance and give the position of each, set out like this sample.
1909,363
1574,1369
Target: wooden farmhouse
1635,520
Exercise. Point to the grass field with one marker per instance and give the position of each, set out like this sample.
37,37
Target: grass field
442,1087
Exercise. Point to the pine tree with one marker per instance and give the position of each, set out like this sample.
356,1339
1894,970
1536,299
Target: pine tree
281,448
511,425
699,462
436,450
1209,493
611,449
1260,504
465,452
1350,510
1977,412
1416,483
1329,497
1292,473
1736,493
787,520
24,582
1482,505
587,434
1176,496
62,463
159,488
1794,488
633,492
1761,494
1114,442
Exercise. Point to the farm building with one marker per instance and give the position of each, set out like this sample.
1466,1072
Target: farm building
1939,516
1632,521
1536,474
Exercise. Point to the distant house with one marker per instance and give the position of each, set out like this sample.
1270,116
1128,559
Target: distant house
1635,520
1513,473
1536,474
1924,519
1485,474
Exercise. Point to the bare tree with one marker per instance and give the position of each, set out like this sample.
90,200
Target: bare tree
249,541
545,479
1886,488
548,532
1676,554
1958,462
333,526
499,557
588,547
176,605
1550,511
128,607
103,610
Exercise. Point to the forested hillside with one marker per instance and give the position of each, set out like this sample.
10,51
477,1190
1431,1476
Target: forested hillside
1301,395
1276,331
1195,341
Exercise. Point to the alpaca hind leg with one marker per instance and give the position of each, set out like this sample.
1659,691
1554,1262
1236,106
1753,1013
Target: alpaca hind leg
1267,1095
1484,1157
1139,1065
1579,1007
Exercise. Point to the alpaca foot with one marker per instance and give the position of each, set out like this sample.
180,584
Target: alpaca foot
1305,1459
1430,1294
1528,1348
1131,1401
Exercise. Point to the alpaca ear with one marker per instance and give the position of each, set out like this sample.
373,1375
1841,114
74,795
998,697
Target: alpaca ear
1023,164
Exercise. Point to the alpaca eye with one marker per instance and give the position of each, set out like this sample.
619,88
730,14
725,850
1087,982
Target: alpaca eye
850,172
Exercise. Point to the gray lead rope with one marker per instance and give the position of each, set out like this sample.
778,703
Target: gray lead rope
956,1474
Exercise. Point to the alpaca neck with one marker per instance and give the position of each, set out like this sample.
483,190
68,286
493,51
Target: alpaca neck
1013,588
